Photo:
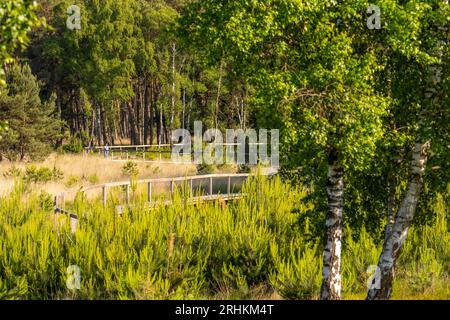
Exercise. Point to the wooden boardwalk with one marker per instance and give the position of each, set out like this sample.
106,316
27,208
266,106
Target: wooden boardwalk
142,153
187,181
130,152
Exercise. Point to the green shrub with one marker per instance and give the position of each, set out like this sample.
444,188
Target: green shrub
13,172
93,179
42,175
156,170
75,145
206,169
130,169
72,181
297,275
45,201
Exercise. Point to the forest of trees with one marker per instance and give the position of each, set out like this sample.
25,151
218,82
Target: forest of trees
127,74
363,113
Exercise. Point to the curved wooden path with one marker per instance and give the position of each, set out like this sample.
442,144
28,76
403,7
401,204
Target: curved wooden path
59,201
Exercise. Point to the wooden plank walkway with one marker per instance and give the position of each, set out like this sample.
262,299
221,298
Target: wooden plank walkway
185,181
140,152
59,201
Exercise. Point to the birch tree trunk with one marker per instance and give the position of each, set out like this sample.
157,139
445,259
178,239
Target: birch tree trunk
432,100
331,270
396,238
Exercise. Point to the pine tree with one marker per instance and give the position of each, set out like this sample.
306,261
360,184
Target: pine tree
33,126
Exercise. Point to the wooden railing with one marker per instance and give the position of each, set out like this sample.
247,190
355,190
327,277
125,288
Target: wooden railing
59,200
188,180
126,152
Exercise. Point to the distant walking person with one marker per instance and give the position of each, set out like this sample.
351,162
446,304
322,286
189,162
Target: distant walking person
106,151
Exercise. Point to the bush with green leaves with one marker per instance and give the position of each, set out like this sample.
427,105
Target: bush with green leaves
74,145
130,169
34,174
17,18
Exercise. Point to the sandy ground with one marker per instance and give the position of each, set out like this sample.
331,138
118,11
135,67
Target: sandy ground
84,171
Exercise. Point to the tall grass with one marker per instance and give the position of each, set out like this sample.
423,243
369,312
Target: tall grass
251,248
79,170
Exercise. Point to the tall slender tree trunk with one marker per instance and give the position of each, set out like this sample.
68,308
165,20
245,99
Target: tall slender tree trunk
137,105
152,110
188,120
172,96
184,109
146,107
219,89
60,113
131,115
160,126
103,127
92,133
393,245
331,270
432,100
99,125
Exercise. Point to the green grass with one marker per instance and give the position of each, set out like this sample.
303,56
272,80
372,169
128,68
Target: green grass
252,248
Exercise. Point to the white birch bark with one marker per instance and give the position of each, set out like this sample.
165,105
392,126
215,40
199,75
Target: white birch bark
331,270
395,240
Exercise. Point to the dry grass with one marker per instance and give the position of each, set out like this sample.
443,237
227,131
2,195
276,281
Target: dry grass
80,171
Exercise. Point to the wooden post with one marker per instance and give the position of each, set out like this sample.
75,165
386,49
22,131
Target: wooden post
63,201
55,208
210,185
229,186
104,195
149,192
55,205
73,223
192,187
127,193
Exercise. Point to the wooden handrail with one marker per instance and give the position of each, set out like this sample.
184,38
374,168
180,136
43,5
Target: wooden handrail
174,179
165,145
59,201
130,146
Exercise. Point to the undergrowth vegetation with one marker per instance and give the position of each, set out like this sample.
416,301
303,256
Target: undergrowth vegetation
251,248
